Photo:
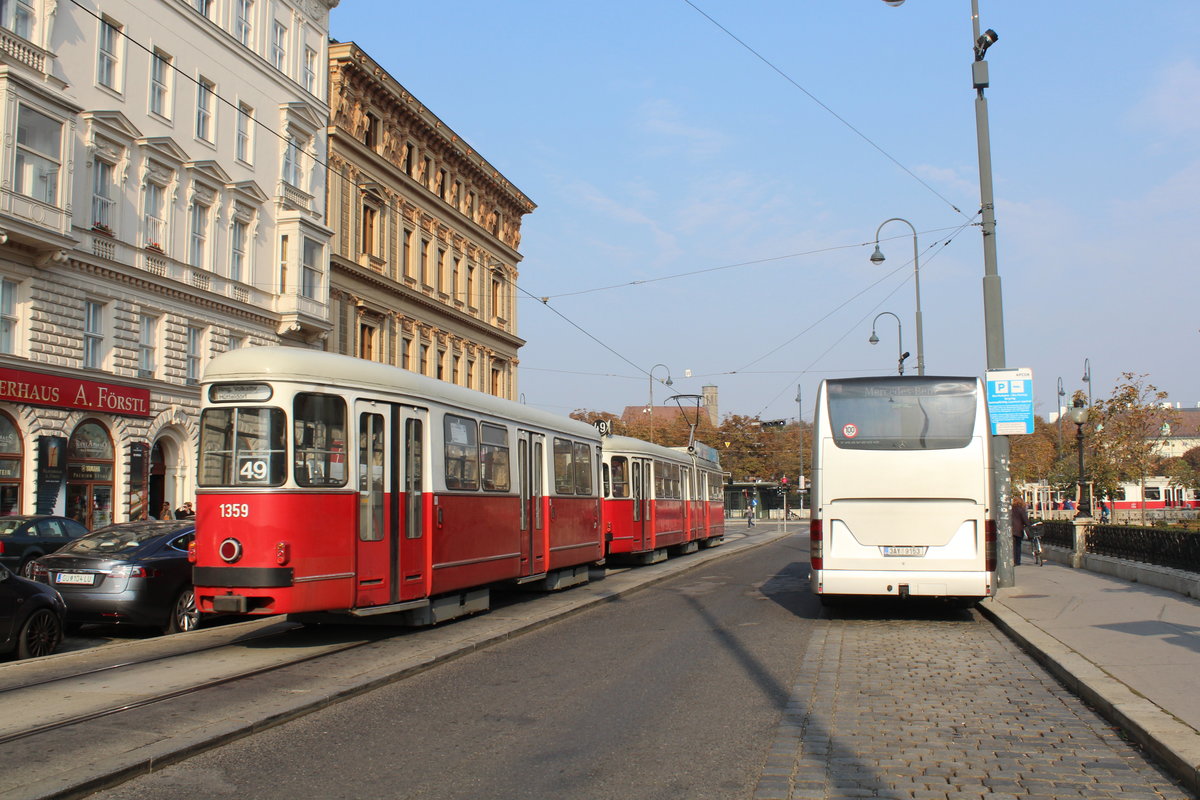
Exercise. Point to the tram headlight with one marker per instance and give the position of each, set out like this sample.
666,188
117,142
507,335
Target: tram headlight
230,551
283,553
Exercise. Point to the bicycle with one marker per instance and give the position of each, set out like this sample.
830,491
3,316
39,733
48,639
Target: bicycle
1034,534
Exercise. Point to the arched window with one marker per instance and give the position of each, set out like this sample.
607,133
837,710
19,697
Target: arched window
90,475
12,453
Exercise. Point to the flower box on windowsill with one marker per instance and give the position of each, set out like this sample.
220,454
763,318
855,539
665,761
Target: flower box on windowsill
100,227
154,247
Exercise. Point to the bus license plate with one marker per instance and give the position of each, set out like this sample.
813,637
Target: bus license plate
85,579
904,550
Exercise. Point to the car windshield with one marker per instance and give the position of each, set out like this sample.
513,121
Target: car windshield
118,540
7,526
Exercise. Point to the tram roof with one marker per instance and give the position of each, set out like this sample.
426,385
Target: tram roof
332,369
628,444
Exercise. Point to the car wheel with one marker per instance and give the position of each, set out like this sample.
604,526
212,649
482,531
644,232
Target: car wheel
184,616
40,635
26,570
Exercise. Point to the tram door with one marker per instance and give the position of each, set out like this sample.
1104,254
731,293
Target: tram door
640,477
531,459
389,458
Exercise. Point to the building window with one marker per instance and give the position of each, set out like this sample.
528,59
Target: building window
205,7
198,235
406,254
279,46
234,342
103,205
310,276
310,70
160,84
291,162
424,359
424,255
205,93
237,250
107,61
8,316
370,229
456,266
154,224
147,344
243,26
454,369
283,263
18,16
471,285
245,134
366,342
39,155
371,134
195,343
440,266
405,352
441,364
93,335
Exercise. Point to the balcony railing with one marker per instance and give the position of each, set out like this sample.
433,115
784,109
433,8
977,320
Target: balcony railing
28,54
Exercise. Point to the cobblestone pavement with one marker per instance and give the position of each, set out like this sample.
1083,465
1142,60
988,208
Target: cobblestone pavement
942,708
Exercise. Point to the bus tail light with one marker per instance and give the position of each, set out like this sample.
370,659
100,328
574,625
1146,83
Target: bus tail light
989,544
816,544
283,553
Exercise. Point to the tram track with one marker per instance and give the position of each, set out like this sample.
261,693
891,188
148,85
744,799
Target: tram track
83,695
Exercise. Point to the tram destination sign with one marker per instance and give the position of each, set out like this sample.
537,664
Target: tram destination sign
56,391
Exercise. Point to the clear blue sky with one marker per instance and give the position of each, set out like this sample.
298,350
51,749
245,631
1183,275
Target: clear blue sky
655,144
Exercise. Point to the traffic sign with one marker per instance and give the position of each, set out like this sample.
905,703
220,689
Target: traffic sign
1010,400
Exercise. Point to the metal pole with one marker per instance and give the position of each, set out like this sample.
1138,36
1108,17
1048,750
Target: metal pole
877,258
993,309
800,434
650,408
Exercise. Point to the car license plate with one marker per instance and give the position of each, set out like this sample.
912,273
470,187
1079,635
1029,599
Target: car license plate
904,550
82,578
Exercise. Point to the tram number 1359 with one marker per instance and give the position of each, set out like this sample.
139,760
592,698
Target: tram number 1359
234,510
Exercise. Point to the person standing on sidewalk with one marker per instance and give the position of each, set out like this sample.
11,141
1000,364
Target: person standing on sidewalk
1020,521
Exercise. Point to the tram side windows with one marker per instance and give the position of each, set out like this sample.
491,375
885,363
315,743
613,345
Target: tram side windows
242,447
493,458
583,469
620,476
370,477
462,453
320,448
564,472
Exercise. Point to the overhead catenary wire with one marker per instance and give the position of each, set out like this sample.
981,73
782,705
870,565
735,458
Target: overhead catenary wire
832,113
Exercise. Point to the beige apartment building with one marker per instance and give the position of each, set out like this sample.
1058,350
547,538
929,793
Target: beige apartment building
423,264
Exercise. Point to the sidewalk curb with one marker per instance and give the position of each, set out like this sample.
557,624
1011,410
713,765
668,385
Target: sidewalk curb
92,776
1174,744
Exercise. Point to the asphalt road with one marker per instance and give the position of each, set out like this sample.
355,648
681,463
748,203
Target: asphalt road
674,691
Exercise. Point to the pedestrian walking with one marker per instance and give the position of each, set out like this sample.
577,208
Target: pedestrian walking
1020,521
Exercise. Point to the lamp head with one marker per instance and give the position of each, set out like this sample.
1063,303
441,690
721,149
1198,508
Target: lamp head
985,40
894,3
669,381
1078,412
877,256
874,339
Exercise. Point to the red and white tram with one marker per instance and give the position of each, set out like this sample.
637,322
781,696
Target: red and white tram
330,484
660,500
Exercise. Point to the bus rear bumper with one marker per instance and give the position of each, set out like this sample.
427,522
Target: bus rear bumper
901,583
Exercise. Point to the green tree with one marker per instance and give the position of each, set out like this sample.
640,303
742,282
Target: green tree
1128,431
1033,455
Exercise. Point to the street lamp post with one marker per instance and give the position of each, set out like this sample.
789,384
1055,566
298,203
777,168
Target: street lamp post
800,435
899,338
1079,415
877,258
650,408
1087,378
993,308
1061,394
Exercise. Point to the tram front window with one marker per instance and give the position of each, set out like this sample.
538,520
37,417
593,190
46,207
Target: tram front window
242,447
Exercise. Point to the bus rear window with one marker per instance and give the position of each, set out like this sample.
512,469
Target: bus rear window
242,447
902,413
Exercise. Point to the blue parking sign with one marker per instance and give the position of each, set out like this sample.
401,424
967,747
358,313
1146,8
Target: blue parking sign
1010,400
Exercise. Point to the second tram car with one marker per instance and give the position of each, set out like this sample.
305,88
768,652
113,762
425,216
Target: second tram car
330,484
660,500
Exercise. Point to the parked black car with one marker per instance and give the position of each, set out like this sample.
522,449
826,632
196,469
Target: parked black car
25,537
132,573
32,616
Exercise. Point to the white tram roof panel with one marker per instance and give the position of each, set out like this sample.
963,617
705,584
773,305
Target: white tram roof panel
628,444
298,364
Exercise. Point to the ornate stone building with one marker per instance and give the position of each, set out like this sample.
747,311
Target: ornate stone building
162,200
424,257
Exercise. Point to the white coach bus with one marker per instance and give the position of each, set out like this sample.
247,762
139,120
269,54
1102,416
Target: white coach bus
902,487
